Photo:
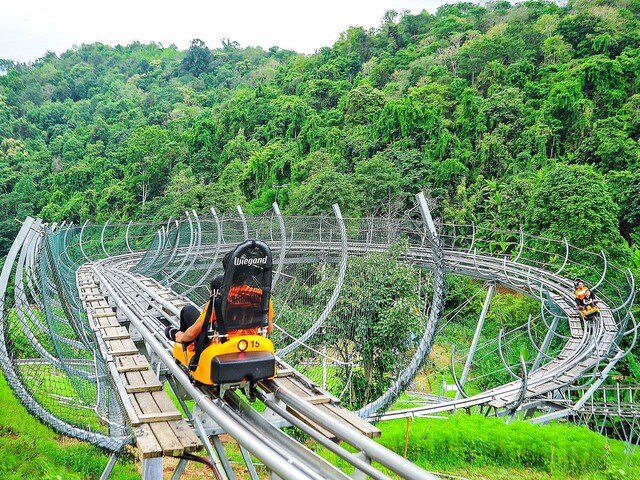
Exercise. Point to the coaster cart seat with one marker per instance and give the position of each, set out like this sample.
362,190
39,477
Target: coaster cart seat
238,353
590,312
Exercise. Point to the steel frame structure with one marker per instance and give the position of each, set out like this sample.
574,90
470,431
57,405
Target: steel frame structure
44,258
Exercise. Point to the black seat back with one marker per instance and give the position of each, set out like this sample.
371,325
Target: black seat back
246,289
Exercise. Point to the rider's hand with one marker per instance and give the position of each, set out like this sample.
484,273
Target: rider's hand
170,332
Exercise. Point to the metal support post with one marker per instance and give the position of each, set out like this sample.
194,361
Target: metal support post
249,463
216,452
152,468
104,227
224,460
245,227
603,376
107,470
476,336
324,358
126,236
585,398
177,473
283,245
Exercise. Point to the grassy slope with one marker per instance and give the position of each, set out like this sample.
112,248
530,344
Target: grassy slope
467,446
475,447
479,447
29,449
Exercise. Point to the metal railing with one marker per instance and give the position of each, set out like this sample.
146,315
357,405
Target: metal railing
44,323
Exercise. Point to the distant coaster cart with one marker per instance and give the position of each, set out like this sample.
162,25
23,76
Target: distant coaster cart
586,301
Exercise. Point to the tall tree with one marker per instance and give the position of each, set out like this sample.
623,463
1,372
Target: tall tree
198,58
573,202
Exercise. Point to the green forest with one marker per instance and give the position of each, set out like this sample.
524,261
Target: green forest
506,115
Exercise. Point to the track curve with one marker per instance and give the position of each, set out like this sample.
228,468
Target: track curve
184,252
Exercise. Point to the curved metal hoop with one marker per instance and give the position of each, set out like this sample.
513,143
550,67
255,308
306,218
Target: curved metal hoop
504,362
283,245
459,386
245,227
336,291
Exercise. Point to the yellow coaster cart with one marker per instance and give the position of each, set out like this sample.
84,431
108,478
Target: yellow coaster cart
233,349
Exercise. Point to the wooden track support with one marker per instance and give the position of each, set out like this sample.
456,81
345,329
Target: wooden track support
159,428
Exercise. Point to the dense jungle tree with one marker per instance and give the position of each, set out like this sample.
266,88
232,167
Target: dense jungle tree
480,106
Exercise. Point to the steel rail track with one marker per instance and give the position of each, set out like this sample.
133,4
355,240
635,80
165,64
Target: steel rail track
584,350
274,458
126,289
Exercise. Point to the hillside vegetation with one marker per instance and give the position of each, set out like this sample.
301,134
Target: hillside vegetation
507,115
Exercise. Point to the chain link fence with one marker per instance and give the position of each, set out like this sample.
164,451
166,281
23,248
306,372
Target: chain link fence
358,301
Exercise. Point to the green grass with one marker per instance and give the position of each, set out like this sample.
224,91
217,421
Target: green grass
476,447
29,449
473,444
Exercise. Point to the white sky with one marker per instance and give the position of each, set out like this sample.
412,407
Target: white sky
29,28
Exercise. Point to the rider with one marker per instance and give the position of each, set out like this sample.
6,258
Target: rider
579,290
589,299
583,296
191,320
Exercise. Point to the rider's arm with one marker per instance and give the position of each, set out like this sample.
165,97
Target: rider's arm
192,332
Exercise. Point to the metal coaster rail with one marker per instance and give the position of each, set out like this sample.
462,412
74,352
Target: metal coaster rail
276,460
49,256
125,289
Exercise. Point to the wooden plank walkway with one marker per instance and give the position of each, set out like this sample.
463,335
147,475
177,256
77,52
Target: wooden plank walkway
159,428
307,391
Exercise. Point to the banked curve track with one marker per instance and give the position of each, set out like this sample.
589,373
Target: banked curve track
184,253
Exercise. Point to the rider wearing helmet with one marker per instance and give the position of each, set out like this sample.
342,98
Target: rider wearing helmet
589,299
579,291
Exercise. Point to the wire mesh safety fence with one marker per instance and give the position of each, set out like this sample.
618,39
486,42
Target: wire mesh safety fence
542,265
354,301
48,353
